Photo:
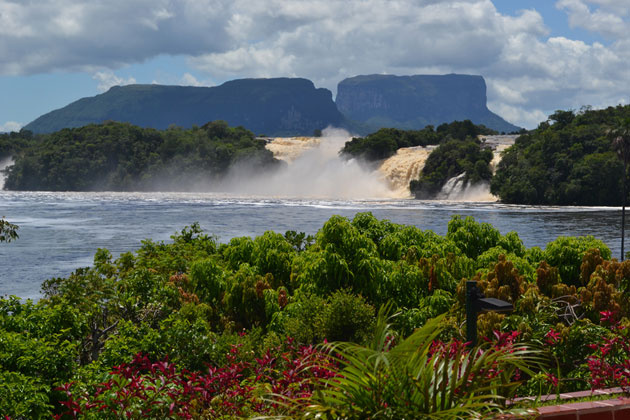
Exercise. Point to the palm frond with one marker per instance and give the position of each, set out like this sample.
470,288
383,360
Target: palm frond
414,379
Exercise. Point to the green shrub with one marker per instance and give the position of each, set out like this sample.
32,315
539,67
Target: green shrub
23,397
347,317
566,254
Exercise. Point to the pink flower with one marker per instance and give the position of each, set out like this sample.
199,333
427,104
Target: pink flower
552,337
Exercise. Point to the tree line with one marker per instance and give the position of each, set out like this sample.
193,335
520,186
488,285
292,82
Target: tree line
123,157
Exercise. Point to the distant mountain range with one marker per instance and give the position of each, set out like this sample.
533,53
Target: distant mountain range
288,106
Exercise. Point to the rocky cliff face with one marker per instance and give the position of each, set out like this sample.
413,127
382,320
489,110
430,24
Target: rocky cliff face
281,106
412,102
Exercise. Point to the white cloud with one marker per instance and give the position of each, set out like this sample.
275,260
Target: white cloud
189,80
107,79
46,35
607,18
528,73
10,126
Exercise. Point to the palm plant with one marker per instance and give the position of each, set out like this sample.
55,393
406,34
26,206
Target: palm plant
412,380
620,136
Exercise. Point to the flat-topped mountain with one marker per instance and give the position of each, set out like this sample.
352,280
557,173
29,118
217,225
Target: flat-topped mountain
413,102
288,106
281,106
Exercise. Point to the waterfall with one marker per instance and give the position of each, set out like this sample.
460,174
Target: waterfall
314,165
457,189
404,166
4,164
498,144
290,148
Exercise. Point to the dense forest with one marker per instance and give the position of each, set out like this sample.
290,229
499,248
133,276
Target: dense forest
568,160
359,321
122,157
14,142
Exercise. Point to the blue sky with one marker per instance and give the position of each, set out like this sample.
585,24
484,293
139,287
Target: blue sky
536,56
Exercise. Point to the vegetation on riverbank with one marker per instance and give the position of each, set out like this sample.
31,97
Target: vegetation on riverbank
195,328
568,160
122,157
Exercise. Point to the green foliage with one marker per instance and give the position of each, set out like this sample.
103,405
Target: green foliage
566,254
11,144
312,318
123,157
193,301
8,231
23,397
568,160
474,238
452,158
430,306
454,383
347,317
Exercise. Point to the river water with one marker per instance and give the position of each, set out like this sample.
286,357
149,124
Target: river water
60,232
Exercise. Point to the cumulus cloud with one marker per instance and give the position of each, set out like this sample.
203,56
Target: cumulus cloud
528,73
606,17
44,35
10,126
107,79
189,80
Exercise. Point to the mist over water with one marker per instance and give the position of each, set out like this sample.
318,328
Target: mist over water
314,169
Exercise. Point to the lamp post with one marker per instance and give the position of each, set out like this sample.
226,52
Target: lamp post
620,135
476,302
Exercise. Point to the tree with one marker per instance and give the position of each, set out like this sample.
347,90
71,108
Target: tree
8,231
620,135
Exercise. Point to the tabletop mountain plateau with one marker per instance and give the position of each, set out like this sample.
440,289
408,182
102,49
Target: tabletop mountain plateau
413,102
280,106
287,106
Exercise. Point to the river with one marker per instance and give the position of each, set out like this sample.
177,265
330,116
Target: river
60,232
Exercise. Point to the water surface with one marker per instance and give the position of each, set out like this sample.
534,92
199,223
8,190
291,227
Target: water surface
60,232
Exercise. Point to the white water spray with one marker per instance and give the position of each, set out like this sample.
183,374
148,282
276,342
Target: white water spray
4,164
314,170
457,189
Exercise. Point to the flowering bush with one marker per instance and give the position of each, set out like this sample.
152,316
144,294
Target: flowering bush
610,364
146,389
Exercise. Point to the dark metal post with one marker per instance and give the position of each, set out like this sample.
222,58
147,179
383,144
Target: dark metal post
471,312
475,303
